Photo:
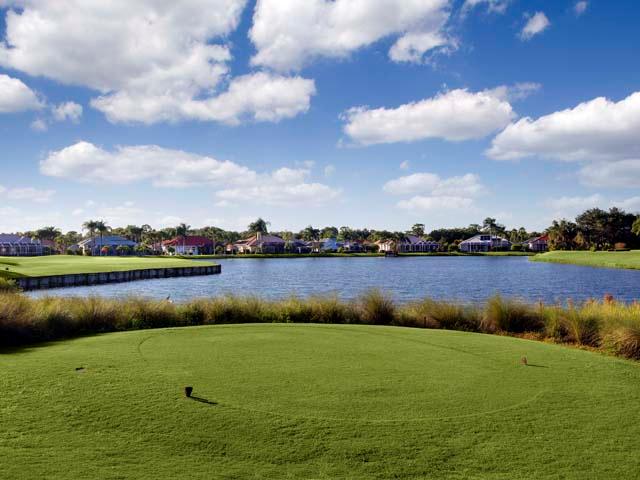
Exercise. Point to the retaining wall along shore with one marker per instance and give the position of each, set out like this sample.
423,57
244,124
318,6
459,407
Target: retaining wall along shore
79,279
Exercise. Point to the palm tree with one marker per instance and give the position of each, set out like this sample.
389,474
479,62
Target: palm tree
259,226
90,227
102,228
181,231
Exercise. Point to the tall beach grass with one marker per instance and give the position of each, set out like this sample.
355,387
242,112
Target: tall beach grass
606,325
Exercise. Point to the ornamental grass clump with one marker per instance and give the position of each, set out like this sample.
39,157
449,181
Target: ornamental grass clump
582,323
377,308
511,316
430,313
142,313
8,286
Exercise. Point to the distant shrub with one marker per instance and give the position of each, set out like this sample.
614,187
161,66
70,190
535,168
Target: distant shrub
453,248
516,247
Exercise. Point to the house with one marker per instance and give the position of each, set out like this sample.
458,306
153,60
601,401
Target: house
484,243
298,246
19,246
409,244
325,245
188,245
96,245
537,244
260,243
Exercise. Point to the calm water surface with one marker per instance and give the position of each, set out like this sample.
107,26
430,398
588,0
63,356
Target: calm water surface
465,279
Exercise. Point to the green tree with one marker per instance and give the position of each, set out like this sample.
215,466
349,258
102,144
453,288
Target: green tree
47,233
310,234
329,232
636,226
418,229
259,226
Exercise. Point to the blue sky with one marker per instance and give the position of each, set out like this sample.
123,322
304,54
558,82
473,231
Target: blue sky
377,113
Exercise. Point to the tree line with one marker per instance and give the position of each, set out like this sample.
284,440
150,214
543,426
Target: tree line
594,229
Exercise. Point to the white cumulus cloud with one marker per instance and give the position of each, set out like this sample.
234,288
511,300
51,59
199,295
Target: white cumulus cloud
86,162
15,96
535,25
600,133
454,115
430,191
67,111
149,60
289,34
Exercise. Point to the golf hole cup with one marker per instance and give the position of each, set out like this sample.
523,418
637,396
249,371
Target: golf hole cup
187,391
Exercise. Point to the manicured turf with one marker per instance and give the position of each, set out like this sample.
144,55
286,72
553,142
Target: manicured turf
13,267
593,259
312,401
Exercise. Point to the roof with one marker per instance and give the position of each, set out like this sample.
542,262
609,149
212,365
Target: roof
107,241
189,241
13,238
264,239
477,239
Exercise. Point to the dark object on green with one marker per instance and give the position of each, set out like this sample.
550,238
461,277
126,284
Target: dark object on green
187,391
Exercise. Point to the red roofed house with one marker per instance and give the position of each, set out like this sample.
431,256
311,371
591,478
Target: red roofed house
538,244
189,245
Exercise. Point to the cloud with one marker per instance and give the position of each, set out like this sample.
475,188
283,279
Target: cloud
329,170
430,191
454,115
465,185
513,93
600,133
150,60
580,7
15,96
27,194
619,174
86,162
493,6
630,204
536,24
259,97
405,165
422,203
39,125
576,203
67,111
289,34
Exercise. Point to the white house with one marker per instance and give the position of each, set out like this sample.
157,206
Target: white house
484,243
409,244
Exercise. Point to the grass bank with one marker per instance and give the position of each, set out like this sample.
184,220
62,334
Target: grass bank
15,267
605,325
316,401
363,255
629,259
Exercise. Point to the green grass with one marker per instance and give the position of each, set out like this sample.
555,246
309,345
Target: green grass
630,259
14,267
316,401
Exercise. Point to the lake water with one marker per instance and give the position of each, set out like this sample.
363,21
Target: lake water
464,279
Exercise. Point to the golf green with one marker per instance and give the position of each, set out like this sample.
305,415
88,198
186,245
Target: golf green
316,401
